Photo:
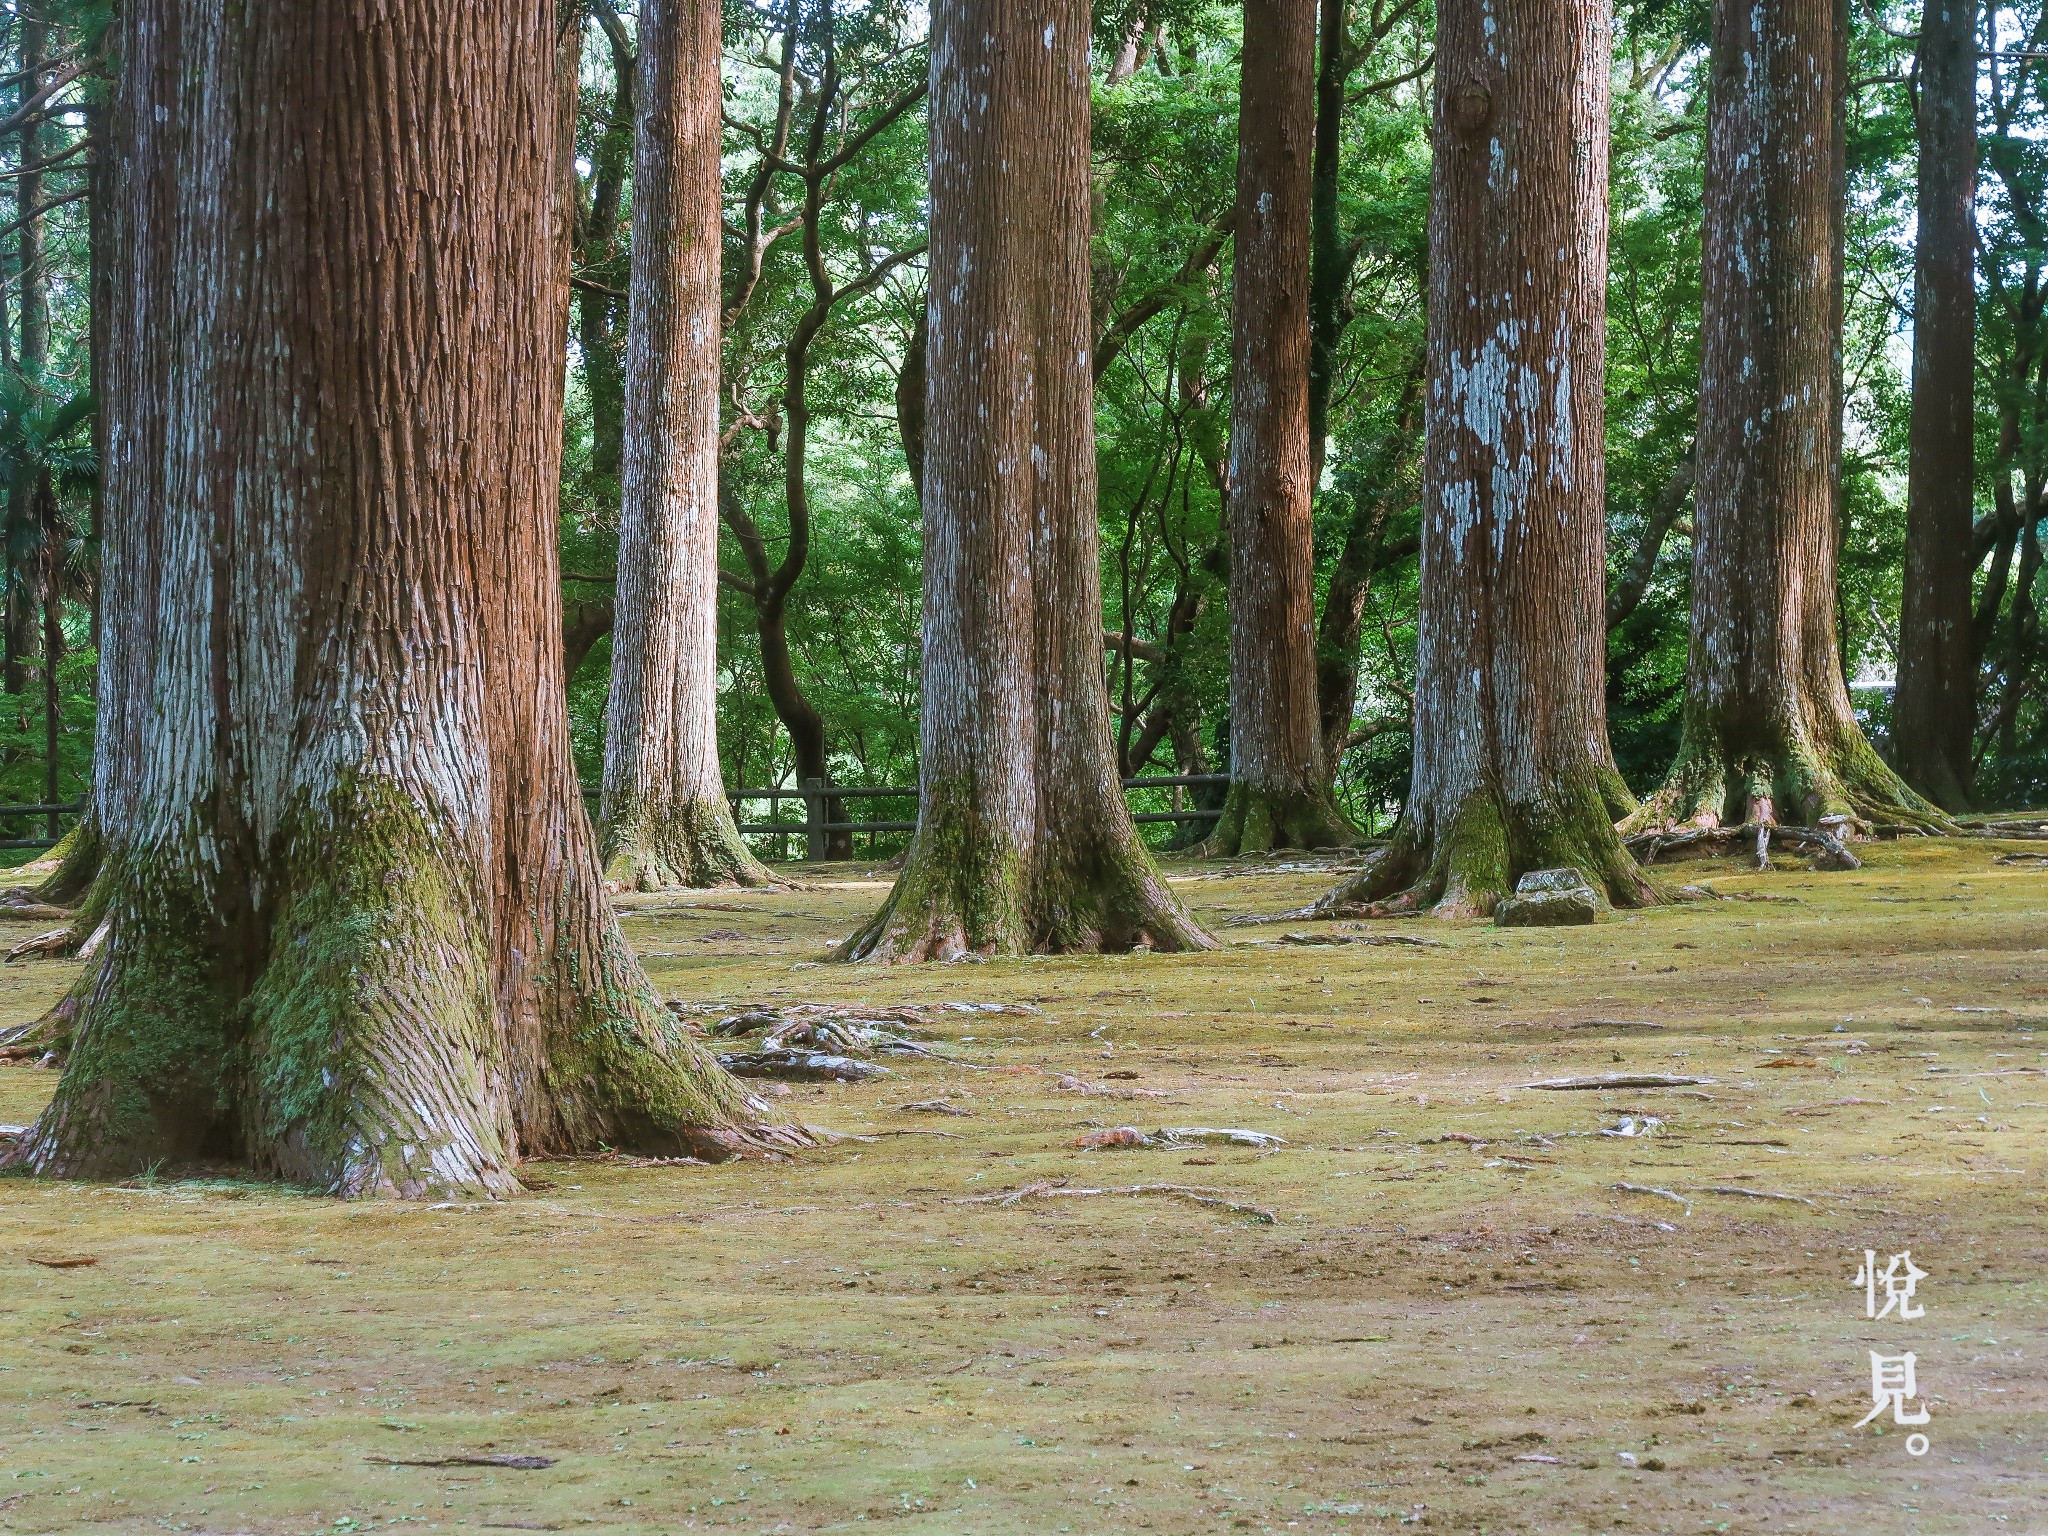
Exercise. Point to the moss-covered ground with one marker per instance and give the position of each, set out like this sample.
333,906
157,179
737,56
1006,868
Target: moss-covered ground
1456,1320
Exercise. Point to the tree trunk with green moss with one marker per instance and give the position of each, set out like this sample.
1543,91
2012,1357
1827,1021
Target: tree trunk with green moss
1024,842
357,936
1512,769
1768,732
1279,787
666,819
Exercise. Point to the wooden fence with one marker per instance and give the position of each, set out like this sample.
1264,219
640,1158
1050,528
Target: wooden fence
823,813
822,803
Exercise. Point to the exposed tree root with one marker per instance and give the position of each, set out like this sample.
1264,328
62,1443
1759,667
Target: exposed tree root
1261,821
1829,851
1193,1194
1843,783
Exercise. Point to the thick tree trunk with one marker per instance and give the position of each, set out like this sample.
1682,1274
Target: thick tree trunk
1023,842
666,818
1279,788
1512,771
1330,263
602,317
1767,722
1934,711
357,933
1388,486
32,274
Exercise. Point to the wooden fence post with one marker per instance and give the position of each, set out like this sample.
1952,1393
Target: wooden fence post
814,820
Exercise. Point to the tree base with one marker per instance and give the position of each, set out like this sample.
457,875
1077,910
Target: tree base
692,846
961,894
1465,864
379,1045
1843,787
1264,820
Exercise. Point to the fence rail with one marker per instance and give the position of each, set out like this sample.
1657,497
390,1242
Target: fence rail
818,797
49,812
817,826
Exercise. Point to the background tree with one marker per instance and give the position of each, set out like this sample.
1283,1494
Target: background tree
666,820
1934,713
1279,787
1768,722
1512,771
1023,841
357,933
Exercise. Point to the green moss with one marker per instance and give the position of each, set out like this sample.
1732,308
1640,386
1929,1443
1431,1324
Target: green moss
373,1026
1256,820
694,844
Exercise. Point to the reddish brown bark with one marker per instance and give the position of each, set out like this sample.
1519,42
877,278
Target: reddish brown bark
1279,791
1512,771
357,936
1934,711
666,818
1023,840
1767,726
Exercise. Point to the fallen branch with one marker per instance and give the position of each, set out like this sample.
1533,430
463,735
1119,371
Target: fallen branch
1752,1194
1662,1194
1186,1192
1618,1080
522,1463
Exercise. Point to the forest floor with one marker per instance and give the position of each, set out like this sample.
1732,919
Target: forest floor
1456,1318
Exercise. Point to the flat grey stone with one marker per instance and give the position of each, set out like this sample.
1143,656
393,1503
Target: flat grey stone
1569,878
1549,909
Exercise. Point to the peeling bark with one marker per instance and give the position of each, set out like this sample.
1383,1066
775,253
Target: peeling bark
1767,720
356,936
1024,842
1512,770
1280,787
665,816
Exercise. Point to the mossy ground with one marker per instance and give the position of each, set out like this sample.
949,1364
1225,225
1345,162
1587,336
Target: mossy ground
830,1343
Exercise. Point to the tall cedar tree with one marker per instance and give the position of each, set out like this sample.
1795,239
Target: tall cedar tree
1023,840
1279,785
1934,711
666,819
1768,733
357,933
1512,769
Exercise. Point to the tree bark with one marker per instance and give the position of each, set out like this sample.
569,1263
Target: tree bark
1767,721
1279,790
1934,711
666,819
33,276
1024,842
1330,263
602,317
357,938
1512,771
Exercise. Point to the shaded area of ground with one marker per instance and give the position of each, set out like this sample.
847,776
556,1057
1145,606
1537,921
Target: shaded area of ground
1456,1320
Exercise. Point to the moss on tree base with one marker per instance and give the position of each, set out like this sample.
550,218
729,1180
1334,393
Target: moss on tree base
1806,778
365,1035
1464,863
968,889
1256,820
695,845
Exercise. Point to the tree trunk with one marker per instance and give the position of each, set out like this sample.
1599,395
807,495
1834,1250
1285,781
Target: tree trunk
1388,486
1024,842
1934,711
1512,771
358,938
602,317
1279,788
1330,264
666,818
1767,722
34,278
